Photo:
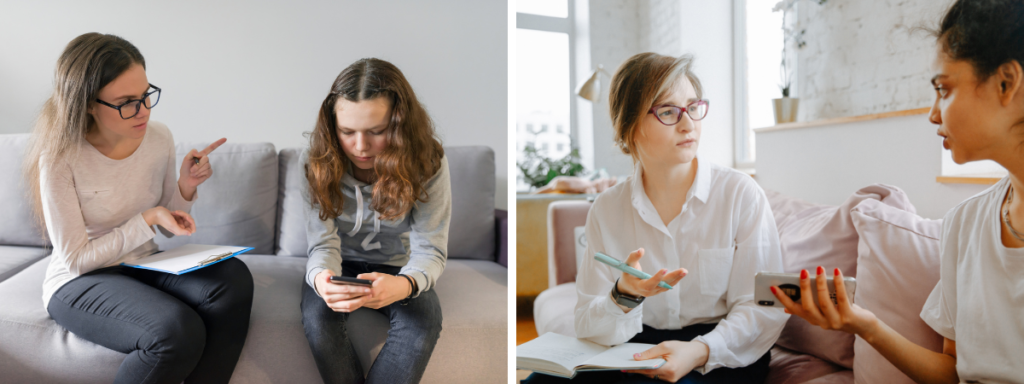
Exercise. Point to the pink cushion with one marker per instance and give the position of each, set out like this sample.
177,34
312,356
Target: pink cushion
813,235
841,377
788,367
897,269
563,218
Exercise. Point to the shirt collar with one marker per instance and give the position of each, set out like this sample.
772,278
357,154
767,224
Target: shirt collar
700,189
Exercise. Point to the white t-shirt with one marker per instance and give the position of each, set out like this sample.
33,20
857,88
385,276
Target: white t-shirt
979,300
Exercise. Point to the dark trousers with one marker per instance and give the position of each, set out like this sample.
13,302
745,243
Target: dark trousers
754,373
187,328
415,328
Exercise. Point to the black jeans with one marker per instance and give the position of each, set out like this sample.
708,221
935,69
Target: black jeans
415,328
174,328
754,373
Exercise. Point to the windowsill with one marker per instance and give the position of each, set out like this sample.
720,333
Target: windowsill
840,120
979,179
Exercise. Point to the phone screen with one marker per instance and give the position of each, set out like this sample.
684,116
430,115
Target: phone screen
344,280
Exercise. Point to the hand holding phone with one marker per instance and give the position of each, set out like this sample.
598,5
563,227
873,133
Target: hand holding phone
839,313
789,283
341,293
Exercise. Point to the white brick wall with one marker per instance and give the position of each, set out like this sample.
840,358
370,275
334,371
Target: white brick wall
622,28
864,57
660,22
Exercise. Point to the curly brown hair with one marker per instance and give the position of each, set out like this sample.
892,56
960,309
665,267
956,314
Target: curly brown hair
412,157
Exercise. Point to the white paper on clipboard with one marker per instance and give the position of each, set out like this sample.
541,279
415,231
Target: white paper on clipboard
186,258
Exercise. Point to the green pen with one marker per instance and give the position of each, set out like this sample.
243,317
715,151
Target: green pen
621,265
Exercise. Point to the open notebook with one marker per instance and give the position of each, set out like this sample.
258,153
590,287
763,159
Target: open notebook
187,258
564,356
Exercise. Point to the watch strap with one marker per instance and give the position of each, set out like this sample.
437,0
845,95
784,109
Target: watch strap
623,299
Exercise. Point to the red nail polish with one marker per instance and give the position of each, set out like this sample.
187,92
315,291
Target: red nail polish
821,271
837,271
803,273
773,289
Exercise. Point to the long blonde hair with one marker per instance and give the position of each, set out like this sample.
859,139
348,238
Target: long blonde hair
89,62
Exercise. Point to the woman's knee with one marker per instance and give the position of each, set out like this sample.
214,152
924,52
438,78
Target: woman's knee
178,334
317,317
424,320
236,282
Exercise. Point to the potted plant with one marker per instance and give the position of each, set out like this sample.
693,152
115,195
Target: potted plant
786,107
538,170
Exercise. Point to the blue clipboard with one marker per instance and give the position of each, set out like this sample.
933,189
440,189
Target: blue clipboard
186,258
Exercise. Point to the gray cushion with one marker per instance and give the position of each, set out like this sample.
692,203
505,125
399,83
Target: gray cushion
474,329
471,235
238,205
472,347
13,259
291,220
18,226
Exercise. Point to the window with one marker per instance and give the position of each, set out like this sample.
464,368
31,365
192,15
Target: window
545,76
758,75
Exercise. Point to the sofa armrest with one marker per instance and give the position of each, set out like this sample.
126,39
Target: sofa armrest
563,217
501,238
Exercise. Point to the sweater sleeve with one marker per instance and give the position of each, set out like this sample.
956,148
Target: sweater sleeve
171,198
323,242
66,225
428,239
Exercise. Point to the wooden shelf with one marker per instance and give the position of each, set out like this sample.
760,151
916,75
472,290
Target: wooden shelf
984,180
841,120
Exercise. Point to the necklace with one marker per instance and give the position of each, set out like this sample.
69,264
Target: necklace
1006,216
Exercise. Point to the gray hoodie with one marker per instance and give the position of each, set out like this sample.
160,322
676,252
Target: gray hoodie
417,242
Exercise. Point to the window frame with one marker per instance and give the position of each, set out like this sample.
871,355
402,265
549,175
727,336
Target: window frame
742,131
566,25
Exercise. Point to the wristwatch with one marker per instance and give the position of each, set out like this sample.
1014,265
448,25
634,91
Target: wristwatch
624,299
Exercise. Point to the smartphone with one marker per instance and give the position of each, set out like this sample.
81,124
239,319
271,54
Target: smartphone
344,280
790,285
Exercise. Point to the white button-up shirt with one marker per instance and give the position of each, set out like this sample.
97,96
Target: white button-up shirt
724,235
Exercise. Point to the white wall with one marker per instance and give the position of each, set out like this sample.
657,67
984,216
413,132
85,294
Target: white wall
622,28
258,71
827,164
863,57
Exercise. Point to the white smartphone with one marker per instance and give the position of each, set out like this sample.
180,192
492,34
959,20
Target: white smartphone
790,285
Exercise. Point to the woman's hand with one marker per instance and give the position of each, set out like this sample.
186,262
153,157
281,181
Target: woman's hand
635,286
177,222
387,289
193,174
845,317
340,297
681,357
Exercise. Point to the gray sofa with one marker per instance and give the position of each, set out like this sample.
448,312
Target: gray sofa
253,200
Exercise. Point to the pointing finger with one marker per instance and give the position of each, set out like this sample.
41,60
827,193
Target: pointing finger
213,146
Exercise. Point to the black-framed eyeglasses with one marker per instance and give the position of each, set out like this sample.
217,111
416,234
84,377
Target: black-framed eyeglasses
669,114
134,106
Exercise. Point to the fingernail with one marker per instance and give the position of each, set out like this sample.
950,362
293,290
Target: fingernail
803,273
821,271
837,271
773,289
636,355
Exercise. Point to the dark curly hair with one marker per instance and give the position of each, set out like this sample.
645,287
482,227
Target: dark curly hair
985,33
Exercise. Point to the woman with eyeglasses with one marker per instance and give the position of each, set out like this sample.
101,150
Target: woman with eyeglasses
102,175
978,302
701,228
